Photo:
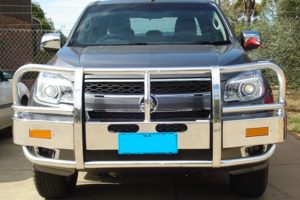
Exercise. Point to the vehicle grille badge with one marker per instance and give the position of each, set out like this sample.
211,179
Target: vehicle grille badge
153,104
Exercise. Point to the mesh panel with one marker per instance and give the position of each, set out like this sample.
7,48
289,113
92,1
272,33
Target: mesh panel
171,128
19,47
123,128
171,87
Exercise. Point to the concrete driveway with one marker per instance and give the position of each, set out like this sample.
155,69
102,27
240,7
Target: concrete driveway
284,182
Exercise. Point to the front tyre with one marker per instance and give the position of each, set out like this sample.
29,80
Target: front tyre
252,184
52,186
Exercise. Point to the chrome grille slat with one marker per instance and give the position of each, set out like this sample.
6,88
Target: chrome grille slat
156,116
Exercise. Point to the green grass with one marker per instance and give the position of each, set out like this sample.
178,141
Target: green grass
294,120
294,123
293,109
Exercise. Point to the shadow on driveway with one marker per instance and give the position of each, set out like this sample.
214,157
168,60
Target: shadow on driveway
214,186
16,181
13,164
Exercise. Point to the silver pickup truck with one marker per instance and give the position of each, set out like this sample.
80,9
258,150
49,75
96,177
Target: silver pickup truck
150,85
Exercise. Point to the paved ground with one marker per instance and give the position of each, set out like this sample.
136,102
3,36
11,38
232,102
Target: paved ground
284,183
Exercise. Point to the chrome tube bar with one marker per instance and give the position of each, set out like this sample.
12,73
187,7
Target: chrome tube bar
67,110
217,111
34,68
261,65
78,118
48,162
151,70
150,164
141,80
251,108
249,160
147,164
174,70
216,116
147,96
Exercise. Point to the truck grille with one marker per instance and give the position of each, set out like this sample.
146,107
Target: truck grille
180,99
134,88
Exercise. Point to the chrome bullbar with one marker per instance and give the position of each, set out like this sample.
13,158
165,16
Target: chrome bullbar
217,124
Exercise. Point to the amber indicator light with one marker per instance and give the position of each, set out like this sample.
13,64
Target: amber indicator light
256,132
42,134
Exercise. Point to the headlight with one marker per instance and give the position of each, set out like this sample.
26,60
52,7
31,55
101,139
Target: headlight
54,89
246,86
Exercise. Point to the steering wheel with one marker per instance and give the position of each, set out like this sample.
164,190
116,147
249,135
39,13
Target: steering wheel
112,38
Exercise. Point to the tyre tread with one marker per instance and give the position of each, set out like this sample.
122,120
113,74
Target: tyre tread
52,186
252,184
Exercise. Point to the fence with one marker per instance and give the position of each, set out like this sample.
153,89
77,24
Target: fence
19,47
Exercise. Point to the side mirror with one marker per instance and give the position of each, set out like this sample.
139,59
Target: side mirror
51,42
250,40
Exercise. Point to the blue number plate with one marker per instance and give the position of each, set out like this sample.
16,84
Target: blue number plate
148,143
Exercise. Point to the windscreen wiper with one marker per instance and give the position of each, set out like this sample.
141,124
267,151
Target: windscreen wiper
224,42
125,44
138,43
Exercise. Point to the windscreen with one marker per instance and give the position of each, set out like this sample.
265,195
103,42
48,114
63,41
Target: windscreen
150,24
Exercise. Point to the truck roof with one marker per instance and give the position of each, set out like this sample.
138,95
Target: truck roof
148,1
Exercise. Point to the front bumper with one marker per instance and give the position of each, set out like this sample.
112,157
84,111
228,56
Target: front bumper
217,134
